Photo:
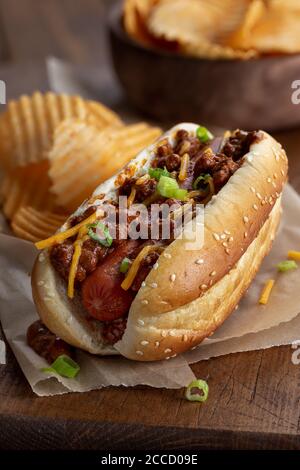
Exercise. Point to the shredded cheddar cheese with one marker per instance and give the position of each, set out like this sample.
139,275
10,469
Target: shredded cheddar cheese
264,298
61,236
131,198
295,255
126,284
184,167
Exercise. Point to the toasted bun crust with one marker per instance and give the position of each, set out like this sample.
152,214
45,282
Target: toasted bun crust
193,290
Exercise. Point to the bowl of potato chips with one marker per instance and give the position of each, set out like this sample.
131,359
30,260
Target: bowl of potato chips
224,62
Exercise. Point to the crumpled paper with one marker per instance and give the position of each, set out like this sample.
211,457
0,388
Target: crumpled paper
251,326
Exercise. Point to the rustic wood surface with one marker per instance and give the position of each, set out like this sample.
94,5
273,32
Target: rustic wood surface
254,396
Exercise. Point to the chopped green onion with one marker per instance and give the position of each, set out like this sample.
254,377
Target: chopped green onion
106,240
197,391
126,262
204,177
167,186
286,265
157,173
203,134
64,366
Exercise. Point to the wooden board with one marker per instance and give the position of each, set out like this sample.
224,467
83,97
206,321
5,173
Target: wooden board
254,397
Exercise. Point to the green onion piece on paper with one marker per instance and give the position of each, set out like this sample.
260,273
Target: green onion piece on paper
124,266
287,265
105,240
203,134
157,173
64,366
197,391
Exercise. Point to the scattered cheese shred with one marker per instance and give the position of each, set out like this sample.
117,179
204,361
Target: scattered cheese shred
74,266
126,284
61,236
294,255
264,298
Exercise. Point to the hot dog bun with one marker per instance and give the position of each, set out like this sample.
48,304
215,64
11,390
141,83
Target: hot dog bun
192,292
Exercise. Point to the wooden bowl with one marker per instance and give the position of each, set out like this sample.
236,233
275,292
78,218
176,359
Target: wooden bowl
248,94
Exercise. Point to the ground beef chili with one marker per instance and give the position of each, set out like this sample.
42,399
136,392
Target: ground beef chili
47,344
216,159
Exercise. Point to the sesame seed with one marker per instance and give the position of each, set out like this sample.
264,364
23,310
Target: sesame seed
163,334
167,255
213,273
253,189
139,353
145,302
258,196
203,286
156,344
172,277
155,266
40,283
227,251
230,239
225,244
168,350
141,322
255,207
275,176
246,219
227,232
174,355
236,307
199,261
216,236
210,283
154,285
193,348
263,202
167,358
144,342
269,180
172,333
273,184
223,236
184,338
282,172
143,284
277,194
245,235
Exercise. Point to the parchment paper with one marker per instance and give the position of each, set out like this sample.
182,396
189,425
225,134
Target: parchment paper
251,326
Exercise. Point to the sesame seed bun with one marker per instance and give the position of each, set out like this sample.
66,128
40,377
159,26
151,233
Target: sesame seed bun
191,292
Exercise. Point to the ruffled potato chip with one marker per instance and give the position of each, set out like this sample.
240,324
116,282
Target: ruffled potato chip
27,125
28,186
34,225
193,21
82,157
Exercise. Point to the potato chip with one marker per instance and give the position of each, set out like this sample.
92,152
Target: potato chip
26,186
33,225
192,21
272,27
135,14
27,125
82,157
